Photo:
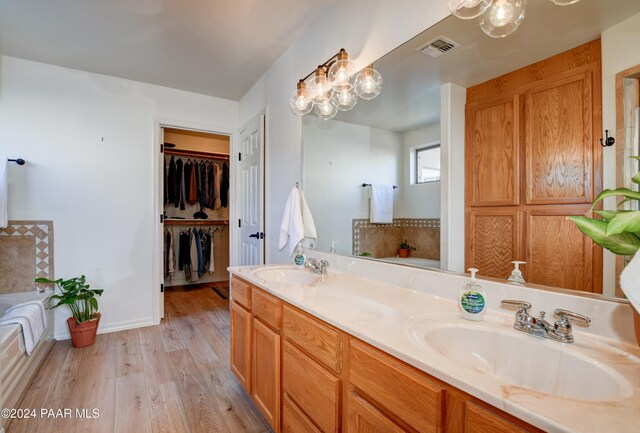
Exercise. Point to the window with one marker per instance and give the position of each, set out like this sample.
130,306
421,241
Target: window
428,164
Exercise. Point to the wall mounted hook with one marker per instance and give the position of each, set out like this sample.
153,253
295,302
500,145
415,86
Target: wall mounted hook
607,141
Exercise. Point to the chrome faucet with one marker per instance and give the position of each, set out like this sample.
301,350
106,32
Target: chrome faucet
560,331
317,267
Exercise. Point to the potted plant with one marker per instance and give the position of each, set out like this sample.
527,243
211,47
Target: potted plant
618,230
81,300
405,249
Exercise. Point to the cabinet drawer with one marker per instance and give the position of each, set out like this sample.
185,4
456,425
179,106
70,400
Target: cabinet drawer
314,337
267,308
400,391
480,420
364,418
311,387
293,420
241,292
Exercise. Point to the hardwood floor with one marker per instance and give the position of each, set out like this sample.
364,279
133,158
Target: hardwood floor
169,378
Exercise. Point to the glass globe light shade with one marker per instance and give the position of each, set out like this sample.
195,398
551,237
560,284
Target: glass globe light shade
503,17
325,109
342,72
300,102
369,83
319,87
468,9
565,2
343,98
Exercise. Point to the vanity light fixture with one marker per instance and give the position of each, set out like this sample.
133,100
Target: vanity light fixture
334,86
498,18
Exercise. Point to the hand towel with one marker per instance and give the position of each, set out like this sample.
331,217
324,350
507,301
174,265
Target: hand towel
32,317
292,225
4,215
630,281
310,234
381,208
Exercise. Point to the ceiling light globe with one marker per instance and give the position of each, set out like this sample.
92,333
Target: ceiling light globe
368,83
344,99
468,9
503,17
319,86
325,109
300,104
342,73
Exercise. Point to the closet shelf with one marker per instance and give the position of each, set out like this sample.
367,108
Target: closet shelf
196,154
195,222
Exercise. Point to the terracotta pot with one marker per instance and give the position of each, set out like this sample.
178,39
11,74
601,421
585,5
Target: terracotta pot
83,334
404,252
636,323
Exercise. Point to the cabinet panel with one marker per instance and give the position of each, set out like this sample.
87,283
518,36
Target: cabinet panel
559,143
493,153
493,241
293,420
314,337
480,420
241,345
311,387
558,254
402,392
241,292
268,308
364,418
265,384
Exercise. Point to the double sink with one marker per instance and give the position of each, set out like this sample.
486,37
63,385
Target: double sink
492,352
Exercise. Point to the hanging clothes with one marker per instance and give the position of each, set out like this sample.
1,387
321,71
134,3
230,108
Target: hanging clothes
177,200
172,255
165,183
212,193
171,180
193,253
212,267
184,254
224,185
167,244
216,185
202,185
205,245
205,185
193,184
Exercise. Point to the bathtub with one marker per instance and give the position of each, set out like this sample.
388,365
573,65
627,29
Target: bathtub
16,368
414,261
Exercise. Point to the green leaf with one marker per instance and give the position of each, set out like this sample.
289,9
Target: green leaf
625,192
624,222
625,244
94,303
608,215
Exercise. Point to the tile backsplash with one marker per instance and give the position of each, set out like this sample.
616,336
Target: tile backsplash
26,252
382,240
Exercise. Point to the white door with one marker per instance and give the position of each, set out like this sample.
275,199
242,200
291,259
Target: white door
251,179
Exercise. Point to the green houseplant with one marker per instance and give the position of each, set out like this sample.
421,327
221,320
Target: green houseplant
405,249
81,300
619,230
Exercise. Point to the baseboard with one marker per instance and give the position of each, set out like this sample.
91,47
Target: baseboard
113,327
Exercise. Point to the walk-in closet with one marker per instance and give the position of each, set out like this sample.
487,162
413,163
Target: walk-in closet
196,198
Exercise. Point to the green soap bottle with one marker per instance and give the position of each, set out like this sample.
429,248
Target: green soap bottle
472,299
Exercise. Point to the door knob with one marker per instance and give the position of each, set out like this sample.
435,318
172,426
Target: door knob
257,235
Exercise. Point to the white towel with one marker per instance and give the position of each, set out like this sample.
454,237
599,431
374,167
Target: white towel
297,223
4,210
381,209
33,319
630,281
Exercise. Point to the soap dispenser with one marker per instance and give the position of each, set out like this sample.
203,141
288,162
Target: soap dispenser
516,276
299,259
473,299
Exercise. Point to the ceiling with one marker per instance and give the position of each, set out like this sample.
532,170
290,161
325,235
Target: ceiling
410,95
213,47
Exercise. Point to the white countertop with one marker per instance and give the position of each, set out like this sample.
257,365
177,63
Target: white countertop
384,314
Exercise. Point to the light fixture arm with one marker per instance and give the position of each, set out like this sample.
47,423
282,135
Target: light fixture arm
342,54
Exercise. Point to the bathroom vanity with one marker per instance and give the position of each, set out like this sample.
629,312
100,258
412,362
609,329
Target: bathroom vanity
372,347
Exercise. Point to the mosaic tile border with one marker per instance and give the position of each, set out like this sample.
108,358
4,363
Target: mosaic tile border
42,230
357,224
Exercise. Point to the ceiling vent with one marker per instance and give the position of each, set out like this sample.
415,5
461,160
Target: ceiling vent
438,47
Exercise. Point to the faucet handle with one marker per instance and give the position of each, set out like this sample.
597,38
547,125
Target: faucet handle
521,306
324,263
312,261
566,315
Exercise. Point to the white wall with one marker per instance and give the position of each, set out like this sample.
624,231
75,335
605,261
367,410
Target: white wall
620,51
367,30
91,164
338,158
418,200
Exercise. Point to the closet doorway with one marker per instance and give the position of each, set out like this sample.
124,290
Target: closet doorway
196,202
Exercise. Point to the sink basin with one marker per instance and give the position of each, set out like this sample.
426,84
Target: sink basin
283,275
523,361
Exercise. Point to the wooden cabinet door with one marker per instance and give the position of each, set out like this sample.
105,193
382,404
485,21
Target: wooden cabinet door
364,418
494,239
241,345
557,253
294,420
265,384
559,140
492,154
481,420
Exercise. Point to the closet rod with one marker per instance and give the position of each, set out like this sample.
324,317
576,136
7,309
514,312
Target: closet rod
196,154
185,222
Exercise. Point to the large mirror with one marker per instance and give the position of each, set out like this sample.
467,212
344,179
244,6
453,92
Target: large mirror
490,143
